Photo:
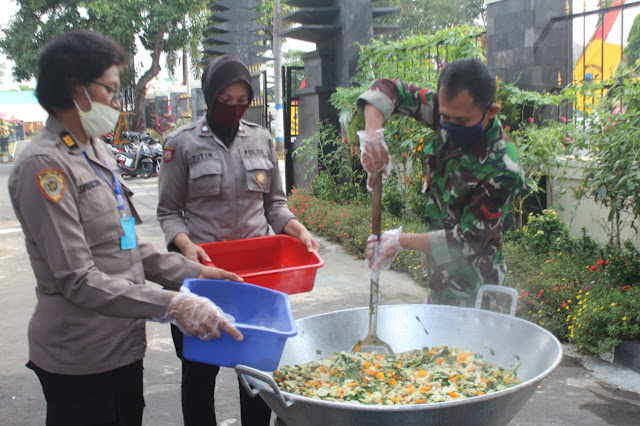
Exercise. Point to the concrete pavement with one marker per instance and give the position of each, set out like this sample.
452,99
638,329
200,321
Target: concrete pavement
582,391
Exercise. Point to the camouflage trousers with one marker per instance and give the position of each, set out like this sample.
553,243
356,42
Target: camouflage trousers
457,284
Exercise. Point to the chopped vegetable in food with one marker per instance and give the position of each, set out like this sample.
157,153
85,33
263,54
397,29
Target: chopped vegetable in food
427,375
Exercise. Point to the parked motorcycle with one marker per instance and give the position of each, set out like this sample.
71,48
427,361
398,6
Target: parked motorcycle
108,138
156,153
156,150
132,137
137,162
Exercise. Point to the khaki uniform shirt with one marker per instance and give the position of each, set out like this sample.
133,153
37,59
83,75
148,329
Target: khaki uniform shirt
91,295
215,193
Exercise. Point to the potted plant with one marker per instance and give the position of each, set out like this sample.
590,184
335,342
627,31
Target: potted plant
7,126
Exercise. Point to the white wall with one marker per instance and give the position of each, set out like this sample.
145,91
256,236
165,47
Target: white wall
588,214
25,112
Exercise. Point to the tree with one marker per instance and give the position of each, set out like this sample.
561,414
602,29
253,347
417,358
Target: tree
159,26
266,8
632,50
2,72
430,16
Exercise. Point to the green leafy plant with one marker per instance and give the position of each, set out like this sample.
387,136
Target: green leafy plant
154,134
559,290
349,223
544,233
611,142
335,176
603,317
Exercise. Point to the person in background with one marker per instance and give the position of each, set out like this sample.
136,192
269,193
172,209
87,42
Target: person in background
220,181
87,335
472,177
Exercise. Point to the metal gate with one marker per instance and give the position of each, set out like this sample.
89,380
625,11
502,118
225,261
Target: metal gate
292,79
600,53
257,111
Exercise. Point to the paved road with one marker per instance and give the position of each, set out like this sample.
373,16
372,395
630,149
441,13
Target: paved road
581,391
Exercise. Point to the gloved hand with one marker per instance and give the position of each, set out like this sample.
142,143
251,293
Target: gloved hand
388,248
200,317
374,155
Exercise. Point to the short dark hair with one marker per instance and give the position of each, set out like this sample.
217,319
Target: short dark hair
77,56
468,74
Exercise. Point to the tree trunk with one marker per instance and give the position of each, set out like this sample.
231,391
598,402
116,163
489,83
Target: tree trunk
141,85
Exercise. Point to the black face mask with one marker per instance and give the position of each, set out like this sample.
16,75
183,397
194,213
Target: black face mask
464,136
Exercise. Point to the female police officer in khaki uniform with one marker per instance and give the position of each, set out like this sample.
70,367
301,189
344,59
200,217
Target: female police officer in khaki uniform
220,181
87,334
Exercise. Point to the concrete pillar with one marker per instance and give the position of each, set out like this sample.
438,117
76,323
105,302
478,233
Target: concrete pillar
314,106
162,105
198,105
180,103
514,27
357,29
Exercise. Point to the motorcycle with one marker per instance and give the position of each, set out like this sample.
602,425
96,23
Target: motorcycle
156,150
108,138
132,137
138,162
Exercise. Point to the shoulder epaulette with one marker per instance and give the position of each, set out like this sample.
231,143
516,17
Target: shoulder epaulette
68,140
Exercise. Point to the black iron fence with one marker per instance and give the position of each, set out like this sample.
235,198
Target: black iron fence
258,110
292,79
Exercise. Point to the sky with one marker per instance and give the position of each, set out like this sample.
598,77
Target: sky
10,7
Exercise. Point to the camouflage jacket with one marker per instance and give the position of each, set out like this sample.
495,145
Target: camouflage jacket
469,195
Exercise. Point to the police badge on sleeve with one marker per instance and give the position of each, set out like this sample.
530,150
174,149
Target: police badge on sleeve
51,183
167,155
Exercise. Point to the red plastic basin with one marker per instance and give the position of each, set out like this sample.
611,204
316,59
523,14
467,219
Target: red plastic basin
278,262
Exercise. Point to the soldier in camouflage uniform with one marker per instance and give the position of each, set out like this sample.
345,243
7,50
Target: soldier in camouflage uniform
472,176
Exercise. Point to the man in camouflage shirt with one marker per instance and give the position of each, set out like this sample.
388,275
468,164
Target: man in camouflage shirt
472,176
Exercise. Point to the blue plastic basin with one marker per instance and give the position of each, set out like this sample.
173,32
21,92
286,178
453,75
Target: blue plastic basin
262,315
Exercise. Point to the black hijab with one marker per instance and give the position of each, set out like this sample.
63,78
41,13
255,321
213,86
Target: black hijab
219,73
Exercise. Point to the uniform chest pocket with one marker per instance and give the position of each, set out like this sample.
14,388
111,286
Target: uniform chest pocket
258,172
99,215
205,178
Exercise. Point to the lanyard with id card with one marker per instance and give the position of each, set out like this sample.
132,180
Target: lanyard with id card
128,241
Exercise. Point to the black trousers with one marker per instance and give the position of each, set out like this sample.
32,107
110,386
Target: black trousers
112,398
198,384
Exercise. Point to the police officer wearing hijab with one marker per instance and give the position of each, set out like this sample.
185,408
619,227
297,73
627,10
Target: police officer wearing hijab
220,181
87,334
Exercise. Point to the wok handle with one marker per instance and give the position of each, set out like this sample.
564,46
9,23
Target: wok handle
376,206
376,228
490,288
243,370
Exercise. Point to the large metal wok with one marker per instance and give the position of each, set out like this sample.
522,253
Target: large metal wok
500,338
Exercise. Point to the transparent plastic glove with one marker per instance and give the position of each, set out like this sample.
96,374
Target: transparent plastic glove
200,317
374,155
388,248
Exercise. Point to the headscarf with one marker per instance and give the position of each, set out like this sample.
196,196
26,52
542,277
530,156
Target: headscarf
219,73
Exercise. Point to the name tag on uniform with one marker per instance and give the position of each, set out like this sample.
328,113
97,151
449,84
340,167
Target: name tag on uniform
128,241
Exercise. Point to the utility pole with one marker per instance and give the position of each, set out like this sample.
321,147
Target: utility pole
185,67
277,77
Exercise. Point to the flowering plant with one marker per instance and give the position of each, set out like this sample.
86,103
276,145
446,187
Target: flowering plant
7,124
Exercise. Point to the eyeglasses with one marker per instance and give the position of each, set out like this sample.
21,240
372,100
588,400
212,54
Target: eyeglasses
116,95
